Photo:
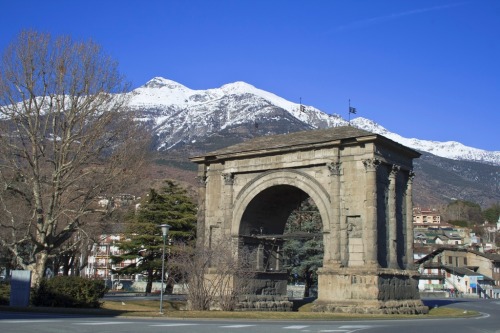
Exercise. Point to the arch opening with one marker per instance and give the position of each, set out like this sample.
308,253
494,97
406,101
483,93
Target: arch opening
281,228
268,212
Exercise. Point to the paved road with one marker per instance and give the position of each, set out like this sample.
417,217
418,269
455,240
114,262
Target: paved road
34,323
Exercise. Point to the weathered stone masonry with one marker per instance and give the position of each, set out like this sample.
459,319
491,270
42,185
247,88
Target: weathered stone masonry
360,182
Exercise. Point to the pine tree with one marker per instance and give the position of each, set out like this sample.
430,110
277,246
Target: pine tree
303,246
144,241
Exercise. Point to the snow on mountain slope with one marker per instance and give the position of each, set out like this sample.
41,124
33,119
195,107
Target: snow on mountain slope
450,149
183,114
163,93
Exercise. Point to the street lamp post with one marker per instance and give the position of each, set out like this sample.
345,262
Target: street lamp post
164,231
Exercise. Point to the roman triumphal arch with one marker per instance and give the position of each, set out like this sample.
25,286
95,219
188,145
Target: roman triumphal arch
361,184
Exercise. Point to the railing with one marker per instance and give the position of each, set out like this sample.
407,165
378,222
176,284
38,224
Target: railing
453,284
430,276
434,286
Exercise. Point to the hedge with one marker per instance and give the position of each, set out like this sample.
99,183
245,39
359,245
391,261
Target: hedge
69,291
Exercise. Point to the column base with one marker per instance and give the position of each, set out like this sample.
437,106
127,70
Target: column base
415,307
368,290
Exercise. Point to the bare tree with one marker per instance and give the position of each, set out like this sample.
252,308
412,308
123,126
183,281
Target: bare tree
65,141
214,277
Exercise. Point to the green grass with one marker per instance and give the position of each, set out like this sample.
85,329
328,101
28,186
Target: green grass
451,312
175,309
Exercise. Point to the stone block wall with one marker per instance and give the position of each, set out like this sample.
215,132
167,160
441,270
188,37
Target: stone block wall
264,303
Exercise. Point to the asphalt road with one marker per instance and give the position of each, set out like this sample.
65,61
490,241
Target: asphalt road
488,322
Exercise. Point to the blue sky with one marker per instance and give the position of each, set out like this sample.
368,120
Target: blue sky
428,69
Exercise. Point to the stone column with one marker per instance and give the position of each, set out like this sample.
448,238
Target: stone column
391,210
200,217
228,200
370,234
334,258
409,220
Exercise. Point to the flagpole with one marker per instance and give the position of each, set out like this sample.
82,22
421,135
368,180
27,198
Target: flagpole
349,111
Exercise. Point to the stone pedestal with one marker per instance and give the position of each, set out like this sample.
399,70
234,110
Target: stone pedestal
268,283
264,303
368,291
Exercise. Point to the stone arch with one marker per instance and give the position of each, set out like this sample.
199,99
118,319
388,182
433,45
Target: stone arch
293,178
360,182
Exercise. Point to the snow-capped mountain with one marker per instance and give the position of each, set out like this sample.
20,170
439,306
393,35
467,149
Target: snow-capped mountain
450,149
179,115
182,115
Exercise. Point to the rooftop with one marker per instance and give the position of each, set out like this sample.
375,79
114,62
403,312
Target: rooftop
303,140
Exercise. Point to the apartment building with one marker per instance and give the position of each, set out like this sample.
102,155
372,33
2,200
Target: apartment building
426,217
100,263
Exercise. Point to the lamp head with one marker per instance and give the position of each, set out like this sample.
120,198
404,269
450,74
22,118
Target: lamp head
164,229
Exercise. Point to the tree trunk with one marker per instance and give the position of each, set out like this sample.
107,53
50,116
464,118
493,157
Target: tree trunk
149,285
38,268
66,268
308,282
169,286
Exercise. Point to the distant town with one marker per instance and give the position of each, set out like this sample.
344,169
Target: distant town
455,261
452,261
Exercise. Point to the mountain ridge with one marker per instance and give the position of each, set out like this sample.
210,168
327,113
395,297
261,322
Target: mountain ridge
183,123
172,99
186,123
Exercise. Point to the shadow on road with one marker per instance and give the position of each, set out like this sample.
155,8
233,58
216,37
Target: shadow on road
432,303
7,312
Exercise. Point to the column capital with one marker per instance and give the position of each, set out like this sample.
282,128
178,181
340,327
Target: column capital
228,178
394,170
202,180
334,168
371,164
411,176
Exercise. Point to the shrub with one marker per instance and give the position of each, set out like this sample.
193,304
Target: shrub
4,293
69,291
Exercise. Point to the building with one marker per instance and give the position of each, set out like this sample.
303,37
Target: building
426,217
461,272
437,236
448,237
100,263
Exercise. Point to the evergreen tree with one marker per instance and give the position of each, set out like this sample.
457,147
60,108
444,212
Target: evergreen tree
144,241
492,214
303,246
